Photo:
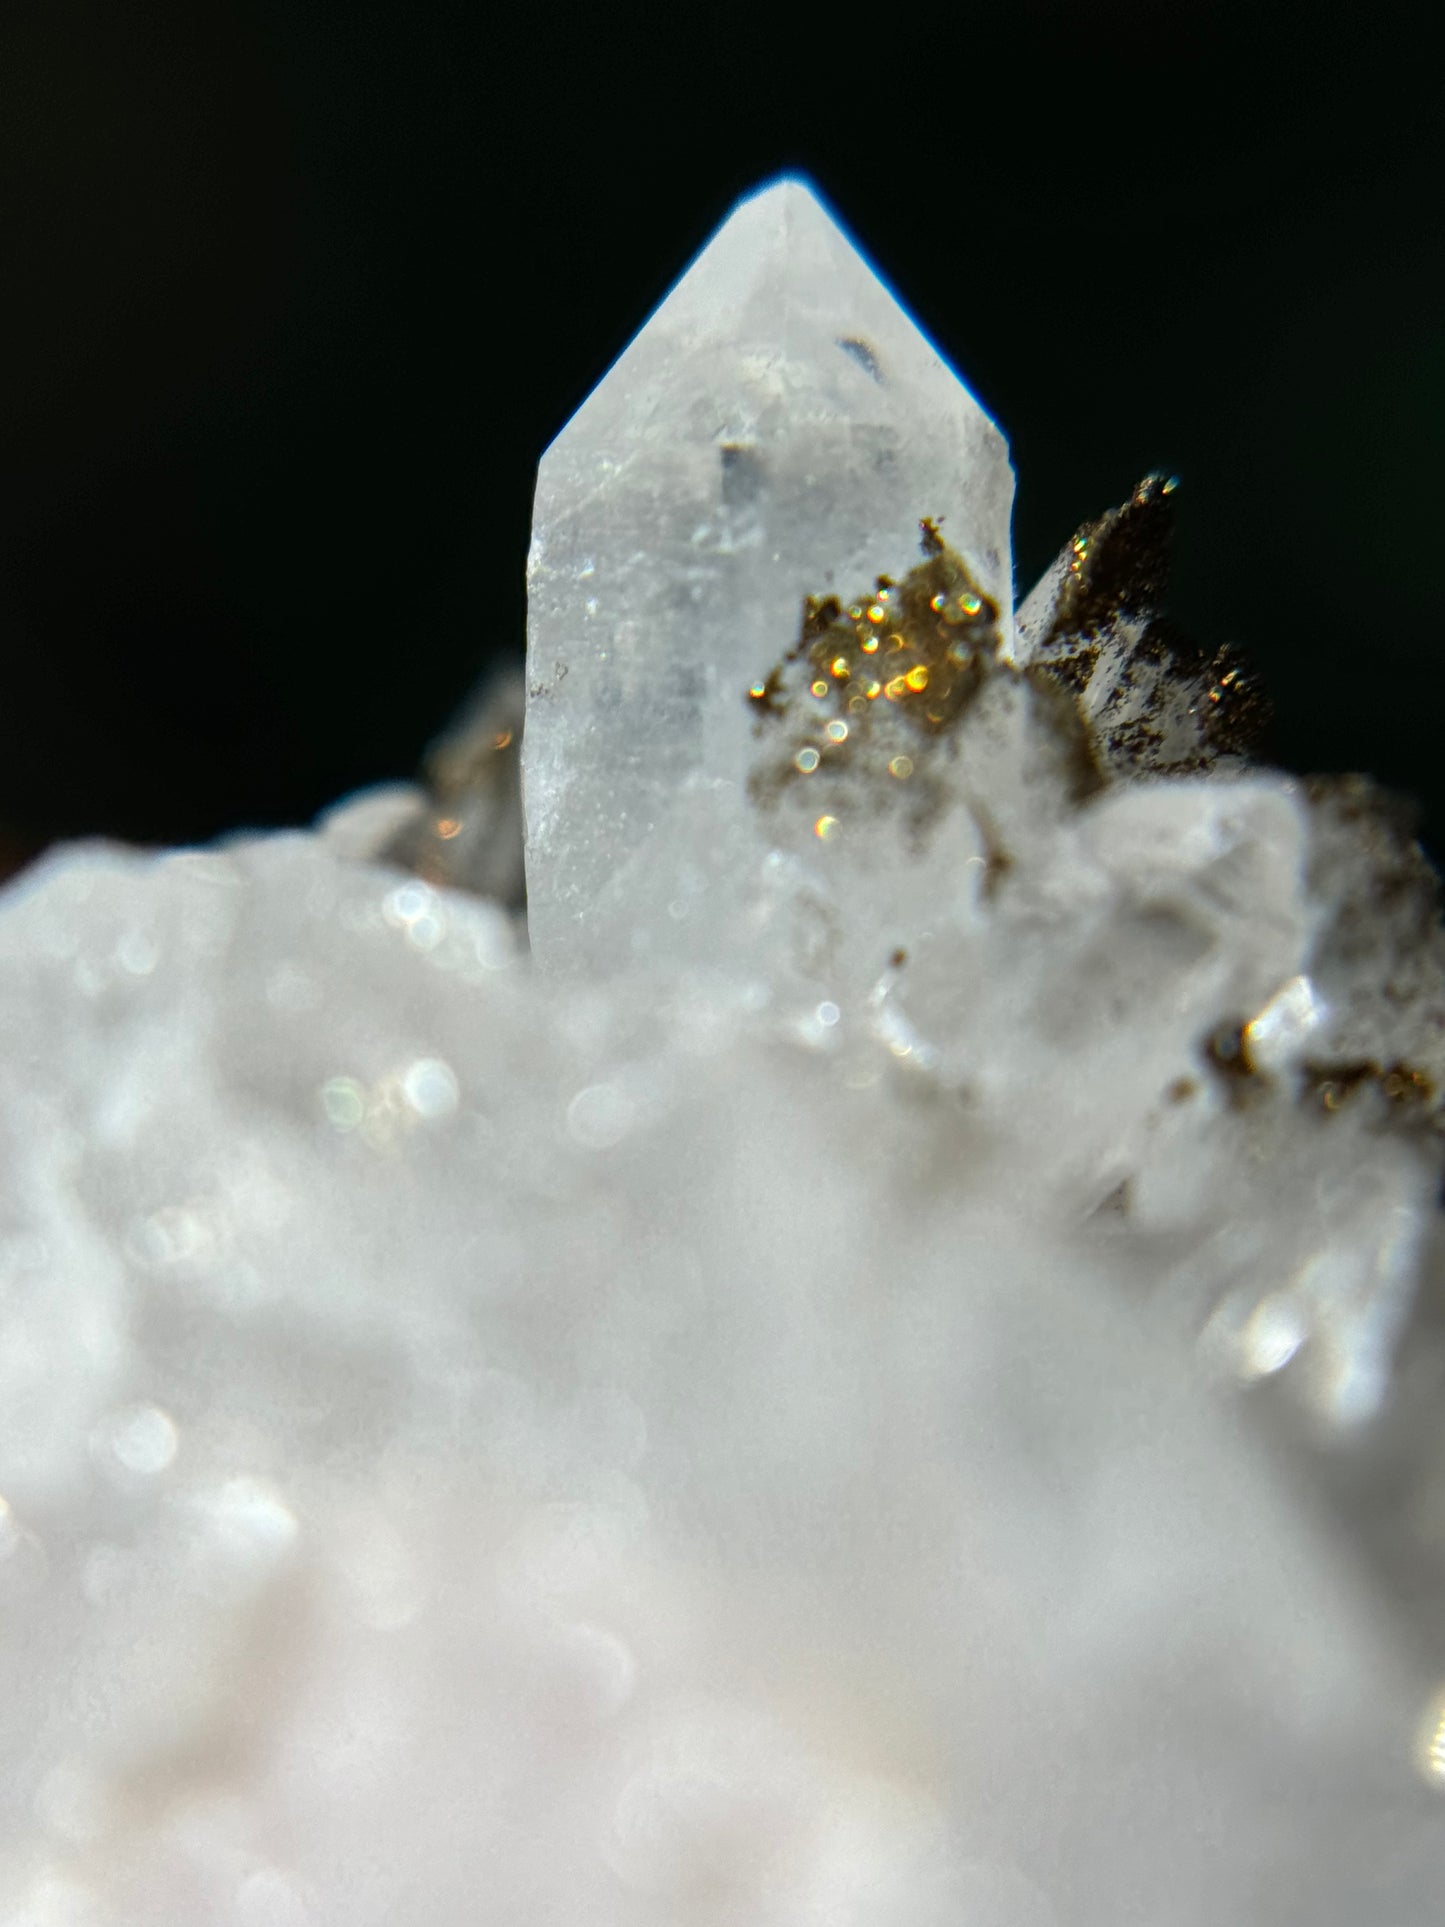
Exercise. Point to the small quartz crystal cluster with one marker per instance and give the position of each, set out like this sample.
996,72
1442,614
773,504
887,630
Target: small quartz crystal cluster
863,1350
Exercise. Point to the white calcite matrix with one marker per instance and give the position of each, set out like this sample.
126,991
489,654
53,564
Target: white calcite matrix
883,1371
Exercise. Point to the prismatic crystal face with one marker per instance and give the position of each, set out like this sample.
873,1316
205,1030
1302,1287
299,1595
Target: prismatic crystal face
871,1356
775,431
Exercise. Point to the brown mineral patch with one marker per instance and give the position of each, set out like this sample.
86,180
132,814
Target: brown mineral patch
767,697
1110,644
1332,1086
1069,732
1226,1052
1120,563
997,859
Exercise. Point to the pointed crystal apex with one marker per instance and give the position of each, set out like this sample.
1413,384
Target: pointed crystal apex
777,430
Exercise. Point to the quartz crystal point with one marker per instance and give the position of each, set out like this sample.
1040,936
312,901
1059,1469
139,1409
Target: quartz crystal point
775,432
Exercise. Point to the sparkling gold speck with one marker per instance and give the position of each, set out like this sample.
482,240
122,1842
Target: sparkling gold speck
901,767
936,631
1432,1743
825,827
502,739
448,827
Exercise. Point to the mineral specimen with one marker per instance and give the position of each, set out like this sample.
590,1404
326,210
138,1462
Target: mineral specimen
888,1376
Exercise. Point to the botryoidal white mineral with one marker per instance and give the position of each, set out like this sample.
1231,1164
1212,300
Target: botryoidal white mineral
884,1374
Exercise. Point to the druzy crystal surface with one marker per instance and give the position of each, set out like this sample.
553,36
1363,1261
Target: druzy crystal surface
887,1376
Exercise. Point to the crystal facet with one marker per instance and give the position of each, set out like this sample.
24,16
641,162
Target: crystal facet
777,431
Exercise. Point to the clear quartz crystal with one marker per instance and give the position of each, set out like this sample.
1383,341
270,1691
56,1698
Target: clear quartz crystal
776,431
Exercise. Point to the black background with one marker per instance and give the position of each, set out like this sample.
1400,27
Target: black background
296,294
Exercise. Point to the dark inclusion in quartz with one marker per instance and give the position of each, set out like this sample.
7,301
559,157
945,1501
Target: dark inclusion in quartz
1151,698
